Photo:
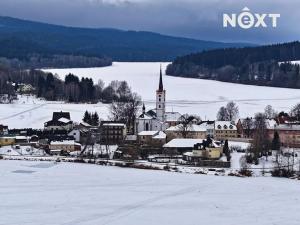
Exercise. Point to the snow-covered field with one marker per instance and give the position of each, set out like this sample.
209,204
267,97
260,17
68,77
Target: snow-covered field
203,97
47,193
29,112
194,96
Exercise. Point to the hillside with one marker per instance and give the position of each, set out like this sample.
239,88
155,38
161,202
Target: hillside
21,38
250,65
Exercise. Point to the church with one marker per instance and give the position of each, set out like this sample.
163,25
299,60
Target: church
157,119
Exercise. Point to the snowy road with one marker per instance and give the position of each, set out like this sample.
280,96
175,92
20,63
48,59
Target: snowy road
35,193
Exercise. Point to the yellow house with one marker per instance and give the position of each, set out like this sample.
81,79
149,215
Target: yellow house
5,141
208,153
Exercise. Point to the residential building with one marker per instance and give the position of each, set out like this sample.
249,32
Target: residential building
60,121
181,145
152,138
7,140
3,130
191,131
112,132
64,146
225,130
289,134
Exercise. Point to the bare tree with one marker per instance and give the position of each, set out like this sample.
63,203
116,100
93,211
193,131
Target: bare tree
126,111
260,144
270,112
295,112
222,114
248,126
232,110
185,124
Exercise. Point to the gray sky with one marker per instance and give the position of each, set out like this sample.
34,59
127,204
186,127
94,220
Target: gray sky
200,19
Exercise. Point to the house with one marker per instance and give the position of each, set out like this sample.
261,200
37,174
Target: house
112,132
60,121
209,126
64,146
152,138
80,135
289,134
157,119
3,130
7,140
246,127
225,130
22,140
207,150
191,131
181,145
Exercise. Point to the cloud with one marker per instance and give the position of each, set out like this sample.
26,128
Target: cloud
201,19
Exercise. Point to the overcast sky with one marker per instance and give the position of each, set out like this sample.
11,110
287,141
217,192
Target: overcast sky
200,19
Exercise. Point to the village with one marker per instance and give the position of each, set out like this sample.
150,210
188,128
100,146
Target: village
161,138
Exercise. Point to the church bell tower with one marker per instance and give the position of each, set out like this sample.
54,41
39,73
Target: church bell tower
160,99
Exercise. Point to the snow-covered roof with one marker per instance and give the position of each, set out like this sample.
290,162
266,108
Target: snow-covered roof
225,125
191,128
21,137
145,117
160,135
64,120
172,116
148,133
114,124
287,127
65,142
182,143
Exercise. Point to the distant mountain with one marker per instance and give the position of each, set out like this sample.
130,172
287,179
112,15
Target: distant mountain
264,65
21,38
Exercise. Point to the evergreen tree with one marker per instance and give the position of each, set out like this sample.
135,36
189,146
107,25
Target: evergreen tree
95,119
226,150
87,118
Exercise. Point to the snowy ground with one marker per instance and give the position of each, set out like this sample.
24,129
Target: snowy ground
29,112
203,97
48,193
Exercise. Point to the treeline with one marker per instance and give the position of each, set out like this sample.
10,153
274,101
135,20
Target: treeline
71,89
37,61
256,65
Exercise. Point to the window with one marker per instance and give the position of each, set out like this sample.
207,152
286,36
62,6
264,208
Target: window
159,106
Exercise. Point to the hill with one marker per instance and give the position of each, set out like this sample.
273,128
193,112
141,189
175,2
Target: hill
250,65
21,39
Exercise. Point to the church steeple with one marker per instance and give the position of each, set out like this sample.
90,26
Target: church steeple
161,86
144,108
160,99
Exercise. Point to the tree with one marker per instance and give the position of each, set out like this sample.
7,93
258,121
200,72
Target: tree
185,124
232,110
228,113
95,119
295,112
260,144
270,112
222,114
87,118
248,125
126,111
226,150
276,144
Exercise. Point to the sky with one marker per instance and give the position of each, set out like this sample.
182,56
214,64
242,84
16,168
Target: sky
199,19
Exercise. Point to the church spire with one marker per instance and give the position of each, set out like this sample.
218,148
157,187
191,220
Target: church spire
144,108
161,86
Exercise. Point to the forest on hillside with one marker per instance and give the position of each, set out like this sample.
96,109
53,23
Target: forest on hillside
265,65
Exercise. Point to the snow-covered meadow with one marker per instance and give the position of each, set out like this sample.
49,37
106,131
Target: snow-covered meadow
194,96
51,193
